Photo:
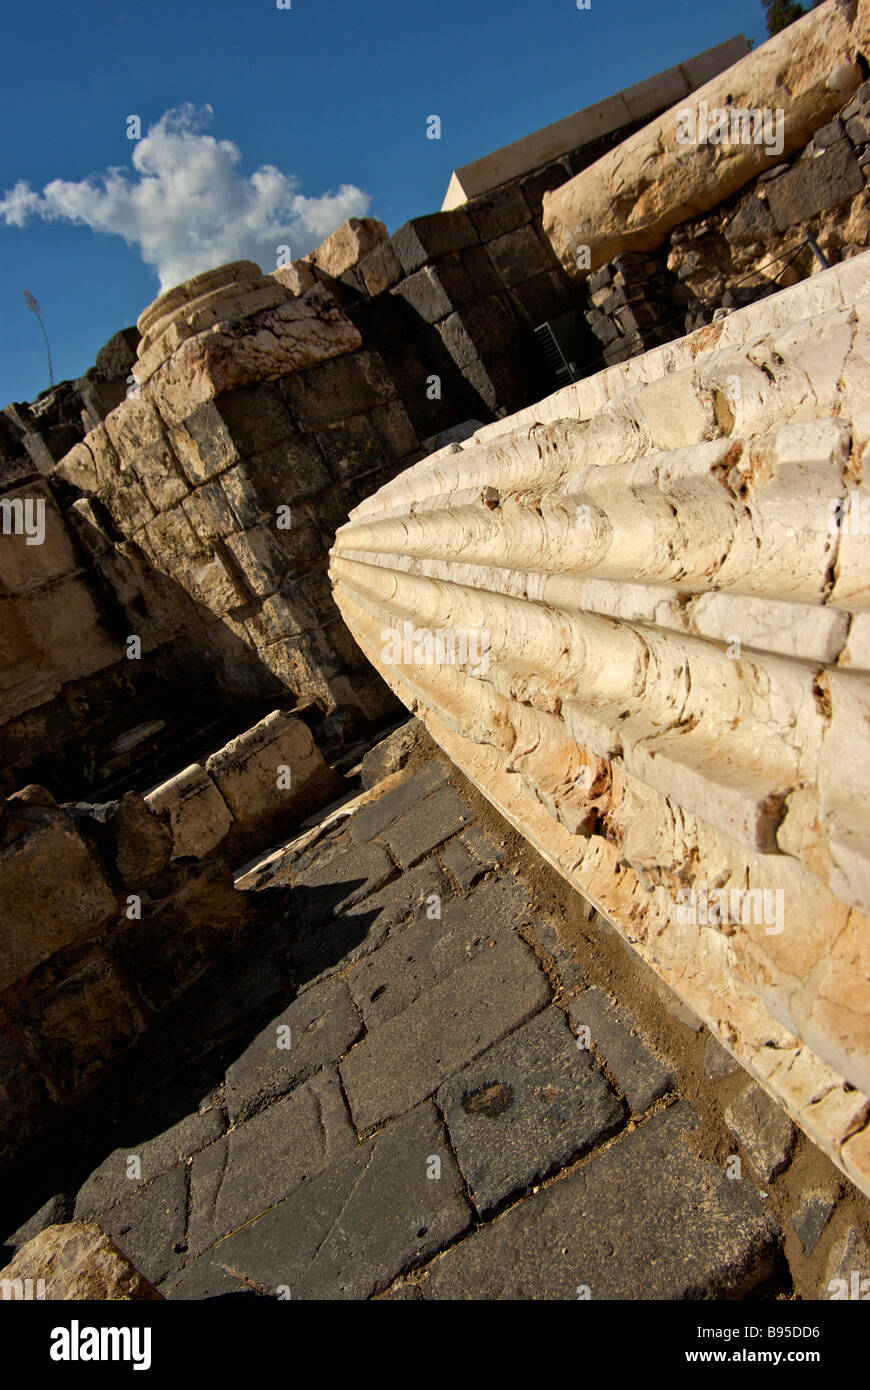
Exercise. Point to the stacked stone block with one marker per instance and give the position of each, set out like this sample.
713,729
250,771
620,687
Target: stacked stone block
111,910
632,307
755,242
484,278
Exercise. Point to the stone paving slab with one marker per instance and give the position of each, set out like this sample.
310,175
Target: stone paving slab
422,954
269,1155
407,991
111,1183
373,819
640,1074
645,1219
340,878
812,1216
317,1028
352,1229
149,1224
361,929
525,1107
469,856
408,1056
763,1130
427,825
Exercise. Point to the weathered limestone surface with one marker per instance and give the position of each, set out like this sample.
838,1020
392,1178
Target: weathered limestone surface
53,891
632,197
666,688
347,245
198,815
270,770
75,1261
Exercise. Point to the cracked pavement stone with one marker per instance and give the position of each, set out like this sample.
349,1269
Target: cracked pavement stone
149,1224
470,856
322,1023
351,1230
109,1182
763,1130
269,1155
417,958
638,1072
360,930
407,1057
427,825
813,1215
645,1219
373,819
524,1108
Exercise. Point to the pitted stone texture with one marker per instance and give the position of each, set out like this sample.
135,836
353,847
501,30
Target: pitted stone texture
349,1232
612,555
525,1108
314,1030
766,1134
405,1059
264,1159
77,1261
640,1075
657,178
643,1220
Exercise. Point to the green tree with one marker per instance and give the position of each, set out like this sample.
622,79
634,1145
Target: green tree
781,13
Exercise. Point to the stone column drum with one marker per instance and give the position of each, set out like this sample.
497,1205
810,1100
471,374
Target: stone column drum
636,616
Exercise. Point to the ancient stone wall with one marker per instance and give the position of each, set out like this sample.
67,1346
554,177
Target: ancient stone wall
110,911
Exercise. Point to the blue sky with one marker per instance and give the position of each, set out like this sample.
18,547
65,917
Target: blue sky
328,100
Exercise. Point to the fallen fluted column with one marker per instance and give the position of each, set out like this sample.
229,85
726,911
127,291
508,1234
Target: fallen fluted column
642,630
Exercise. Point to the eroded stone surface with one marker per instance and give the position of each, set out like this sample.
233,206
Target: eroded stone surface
646,585
631,197
673,1229
76,1261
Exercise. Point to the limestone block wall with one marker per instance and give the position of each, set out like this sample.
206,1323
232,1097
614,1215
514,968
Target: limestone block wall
746,244
34,437
110,911
75,708
636,616
230,470
757,239
666,173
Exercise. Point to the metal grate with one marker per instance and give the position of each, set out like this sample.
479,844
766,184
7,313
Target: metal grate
557,363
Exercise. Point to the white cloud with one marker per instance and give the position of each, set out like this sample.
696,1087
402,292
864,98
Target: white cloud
187,208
